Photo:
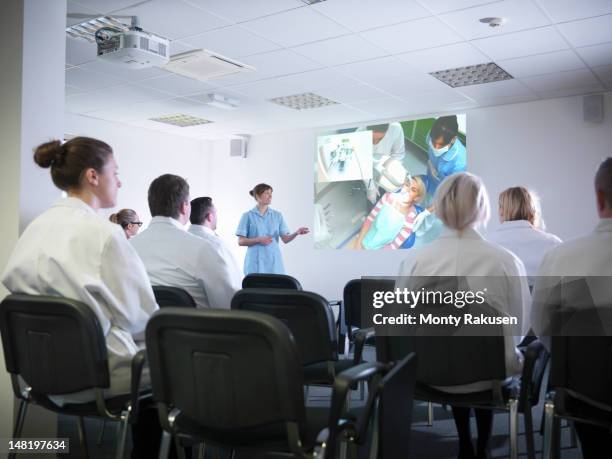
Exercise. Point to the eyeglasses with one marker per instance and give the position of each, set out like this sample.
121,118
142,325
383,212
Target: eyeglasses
136,223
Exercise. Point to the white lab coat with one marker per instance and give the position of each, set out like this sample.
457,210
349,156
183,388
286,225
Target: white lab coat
526,242
587,258
392,144
72,252
175,258
469,254
220,246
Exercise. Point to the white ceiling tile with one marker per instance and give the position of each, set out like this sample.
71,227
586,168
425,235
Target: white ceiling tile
409,36
110,97
505,100
177,47
388,107
352,93
519,44
434,99
605,74
268,65
88,81
588,31
103,67
295,27
82,12
373,70
573,91
598,55
267,89
506,88
558,61
145,110
174,18
519,14
360,15
318,79
240,11
409,83
177,85
561,80
443,6
340,50
233,42
570,10
70,90
105,6
79,51
445,57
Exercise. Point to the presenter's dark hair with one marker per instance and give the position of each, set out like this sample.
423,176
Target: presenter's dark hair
259,189
166,195
200,208
445,127
603,179
69,160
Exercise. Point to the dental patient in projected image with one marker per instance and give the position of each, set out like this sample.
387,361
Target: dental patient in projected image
389,224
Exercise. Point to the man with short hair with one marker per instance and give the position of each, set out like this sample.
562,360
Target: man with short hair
175,258
577,273
203,225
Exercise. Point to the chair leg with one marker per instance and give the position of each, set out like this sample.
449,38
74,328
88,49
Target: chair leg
164,448
549,415
180,451
122,432
306,390
362,390
101,432
573,439
430,415
528,418
19,422
513,427
82,437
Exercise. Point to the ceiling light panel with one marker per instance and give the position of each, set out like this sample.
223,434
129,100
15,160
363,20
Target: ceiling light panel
86,30
471,75
304,101
181,120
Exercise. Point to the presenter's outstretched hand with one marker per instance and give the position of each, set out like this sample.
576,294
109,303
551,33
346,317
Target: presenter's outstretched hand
302,230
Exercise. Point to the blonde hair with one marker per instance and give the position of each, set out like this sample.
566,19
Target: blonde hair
517,203
461,201
419,184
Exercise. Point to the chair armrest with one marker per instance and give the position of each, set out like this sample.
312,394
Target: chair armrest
138,363
361,336
342,386
534,365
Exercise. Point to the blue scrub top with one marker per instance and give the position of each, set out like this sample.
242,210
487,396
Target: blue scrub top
449,163
263,258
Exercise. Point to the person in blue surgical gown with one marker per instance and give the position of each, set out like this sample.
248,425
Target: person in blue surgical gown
446,154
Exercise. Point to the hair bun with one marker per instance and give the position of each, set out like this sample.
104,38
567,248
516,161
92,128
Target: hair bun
252,193
47,153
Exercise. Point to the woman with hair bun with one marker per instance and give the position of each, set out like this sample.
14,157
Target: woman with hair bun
70,251
128,220
259,230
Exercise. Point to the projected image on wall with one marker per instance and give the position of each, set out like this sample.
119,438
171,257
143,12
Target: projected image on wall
384,200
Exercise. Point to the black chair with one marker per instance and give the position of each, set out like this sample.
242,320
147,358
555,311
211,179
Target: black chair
310,320
232,379
447,360
172,296
55,346
581,372
271,281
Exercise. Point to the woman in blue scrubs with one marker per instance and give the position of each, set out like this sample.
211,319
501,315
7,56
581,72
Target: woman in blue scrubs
259,230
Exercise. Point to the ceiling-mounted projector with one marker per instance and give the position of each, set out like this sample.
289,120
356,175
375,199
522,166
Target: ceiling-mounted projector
133,48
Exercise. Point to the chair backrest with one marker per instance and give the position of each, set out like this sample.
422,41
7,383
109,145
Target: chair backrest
224,369
257,280
55,344
306,314
354,292
581,353
173,296
446,358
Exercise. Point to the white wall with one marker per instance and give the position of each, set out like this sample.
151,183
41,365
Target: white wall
143,155
544,145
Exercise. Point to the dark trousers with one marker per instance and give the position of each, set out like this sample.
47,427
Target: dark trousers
484,424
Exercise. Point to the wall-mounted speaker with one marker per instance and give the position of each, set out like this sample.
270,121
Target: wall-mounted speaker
238,147
593,108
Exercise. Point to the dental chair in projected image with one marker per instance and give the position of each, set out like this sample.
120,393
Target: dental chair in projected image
310,319
450,360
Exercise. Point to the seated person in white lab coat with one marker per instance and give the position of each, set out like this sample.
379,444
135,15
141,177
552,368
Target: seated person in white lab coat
175,258
204,224
462,203
70,251
588,258
518,233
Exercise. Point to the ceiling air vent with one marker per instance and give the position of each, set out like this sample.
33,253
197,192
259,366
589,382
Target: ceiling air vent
181,120
472,74
203,65
303,101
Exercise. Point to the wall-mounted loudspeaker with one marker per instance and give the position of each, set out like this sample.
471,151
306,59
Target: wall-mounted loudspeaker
593,108
238,147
